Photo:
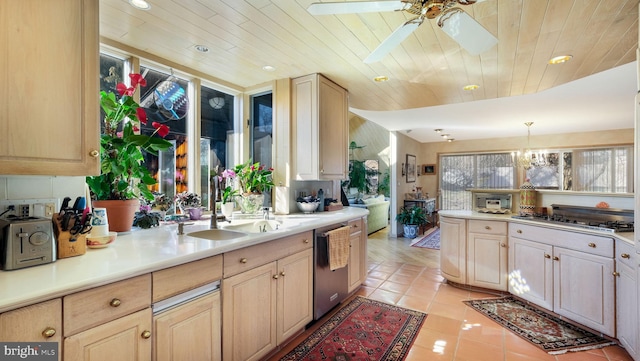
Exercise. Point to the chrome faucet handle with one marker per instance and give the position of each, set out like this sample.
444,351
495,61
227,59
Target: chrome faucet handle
181,227
265,213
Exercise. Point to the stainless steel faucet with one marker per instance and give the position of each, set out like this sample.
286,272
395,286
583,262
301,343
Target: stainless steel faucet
265,213
214,214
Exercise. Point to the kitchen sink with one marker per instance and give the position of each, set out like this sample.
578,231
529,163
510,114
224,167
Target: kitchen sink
259,226
217,234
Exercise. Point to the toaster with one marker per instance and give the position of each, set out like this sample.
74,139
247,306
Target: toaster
26,242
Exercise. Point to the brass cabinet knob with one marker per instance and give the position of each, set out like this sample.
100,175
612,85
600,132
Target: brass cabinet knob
487,227
547,255
115,302
556,258
617,274
519,231
49,332
592,245
243,260
145,334
502,245
282,273
94,153
275,276
306,241
625,255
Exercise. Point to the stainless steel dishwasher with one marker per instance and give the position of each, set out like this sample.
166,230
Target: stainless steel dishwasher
330,287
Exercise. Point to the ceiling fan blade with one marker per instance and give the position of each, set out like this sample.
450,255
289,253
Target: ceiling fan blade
351,7
393,40
466,31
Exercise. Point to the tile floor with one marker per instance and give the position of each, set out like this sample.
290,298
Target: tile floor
410,277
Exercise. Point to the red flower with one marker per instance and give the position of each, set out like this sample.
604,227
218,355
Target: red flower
162,129
137,79
142,115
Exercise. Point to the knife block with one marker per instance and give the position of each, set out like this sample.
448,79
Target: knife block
69,245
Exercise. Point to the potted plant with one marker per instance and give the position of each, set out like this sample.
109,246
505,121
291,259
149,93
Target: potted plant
411,219
145,218
124,177
253,180
190,203
228,192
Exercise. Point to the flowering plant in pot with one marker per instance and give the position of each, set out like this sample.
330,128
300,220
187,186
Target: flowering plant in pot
411,219
190,203
229,193
253,179
123,175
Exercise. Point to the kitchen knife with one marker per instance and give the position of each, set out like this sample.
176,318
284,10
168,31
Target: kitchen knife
65,204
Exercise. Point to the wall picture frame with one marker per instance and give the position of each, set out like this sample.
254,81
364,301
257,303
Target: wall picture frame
428,169
411,168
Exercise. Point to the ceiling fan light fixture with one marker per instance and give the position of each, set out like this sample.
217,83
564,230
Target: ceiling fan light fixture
381,79
140,4
466,31
470,87
560,59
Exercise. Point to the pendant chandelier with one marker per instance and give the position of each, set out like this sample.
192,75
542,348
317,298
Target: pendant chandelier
527,158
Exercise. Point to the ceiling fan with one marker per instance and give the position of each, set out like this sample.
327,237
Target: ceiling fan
454,21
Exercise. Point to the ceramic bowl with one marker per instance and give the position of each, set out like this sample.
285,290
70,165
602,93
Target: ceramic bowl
309,207
101,241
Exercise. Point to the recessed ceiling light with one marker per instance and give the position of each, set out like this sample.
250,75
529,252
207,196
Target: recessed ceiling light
202,48
445,136
268,68
450,140
437,130
560,59
470,87
381,78
140,4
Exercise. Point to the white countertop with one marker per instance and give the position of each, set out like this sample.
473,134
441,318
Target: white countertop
624,236
142,251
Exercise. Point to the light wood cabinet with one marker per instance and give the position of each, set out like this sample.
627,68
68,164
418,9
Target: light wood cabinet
453,249
357,254
41,322
190,331
51,91
627,298
487,254
319,110
582,273
125,339
265,305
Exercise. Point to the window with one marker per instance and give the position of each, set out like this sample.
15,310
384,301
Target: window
461,172
262,133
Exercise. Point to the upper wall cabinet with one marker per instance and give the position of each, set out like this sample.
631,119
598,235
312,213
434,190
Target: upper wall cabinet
49,75
319,110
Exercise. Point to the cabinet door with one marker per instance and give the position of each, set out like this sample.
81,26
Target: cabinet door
627,308
51,109
487,261
531,271
190,331
124,339
357,255
453,249
584,289
41,322
249,313
334,136
295,294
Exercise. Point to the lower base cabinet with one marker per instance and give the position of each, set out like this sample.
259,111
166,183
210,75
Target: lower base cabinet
264,306
627,298
190,331
453,249
125,339
357,254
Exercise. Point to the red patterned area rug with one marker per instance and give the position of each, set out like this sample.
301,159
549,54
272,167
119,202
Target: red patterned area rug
430,240
544,330
364,329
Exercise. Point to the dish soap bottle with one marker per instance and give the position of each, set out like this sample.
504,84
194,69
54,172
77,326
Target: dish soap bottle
321,200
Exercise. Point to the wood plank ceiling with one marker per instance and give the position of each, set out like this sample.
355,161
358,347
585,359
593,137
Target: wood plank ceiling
427,69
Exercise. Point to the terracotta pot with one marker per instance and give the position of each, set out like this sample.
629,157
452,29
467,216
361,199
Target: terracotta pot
120,214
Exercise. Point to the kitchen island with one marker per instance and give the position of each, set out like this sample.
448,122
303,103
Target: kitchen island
574,272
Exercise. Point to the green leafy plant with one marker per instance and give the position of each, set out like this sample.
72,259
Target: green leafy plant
253,177
412,216
145,218
123,174
384,185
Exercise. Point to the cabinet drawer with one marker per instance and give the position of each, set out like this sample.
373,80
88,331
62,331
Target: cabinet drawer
253,256
35,323
588,243
487,227
92,307
626,253
356,225
175,280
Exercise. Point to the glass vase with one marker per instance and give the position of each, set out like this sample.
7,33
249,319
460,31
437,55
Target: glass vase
251,203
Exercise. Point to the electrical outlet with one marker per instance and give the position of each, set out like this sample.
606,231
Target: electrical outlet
49,209
29,207
23,210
